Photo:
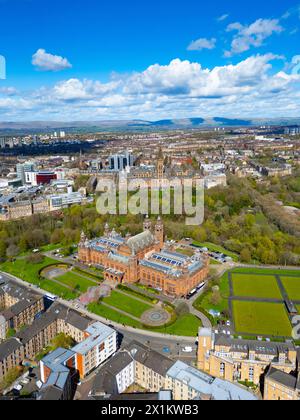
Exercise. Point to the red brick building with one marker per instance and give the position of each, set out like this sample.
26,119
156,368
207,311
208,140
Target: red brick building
146,259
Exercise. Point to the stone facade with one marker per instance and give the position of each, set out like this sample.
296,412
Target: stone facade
18,306
280,386
242,360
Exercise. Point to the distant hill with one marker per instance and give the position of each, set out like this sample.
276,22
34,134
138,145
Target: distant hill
72,126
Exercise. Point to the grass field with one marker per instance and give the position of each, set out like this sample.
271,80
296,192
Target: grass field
185,326
127,304
257,286
97,276
113,315
58,290
204,301
267,271
292,286
261,319
76,281
22,269
26,271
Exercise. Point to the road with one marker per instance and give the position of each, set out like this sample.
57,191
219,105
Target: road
155,340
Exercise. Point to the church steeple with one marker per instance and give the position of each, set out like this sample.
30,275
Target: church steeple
160,164
147,224
83,238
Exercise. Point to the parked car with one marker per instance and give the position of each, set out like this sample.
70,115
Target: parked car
187,349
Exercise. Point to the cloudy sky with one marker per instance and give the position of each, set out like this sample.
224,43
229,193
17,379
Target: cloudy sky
99,60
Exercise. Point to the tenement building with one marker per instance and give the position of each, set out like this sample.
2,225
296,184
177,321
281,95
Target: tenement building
243,360
145,258
281,386
139,366
18,307
95,341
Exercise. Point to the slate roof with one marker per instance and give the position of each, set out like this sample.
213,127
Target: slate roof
139,242
283,378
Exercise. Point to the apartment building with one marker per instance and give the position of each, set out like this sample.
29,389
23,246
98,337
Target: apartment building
242,360
58,374
11,355
281,386
158,375
61,369
18,306
99,345
32,340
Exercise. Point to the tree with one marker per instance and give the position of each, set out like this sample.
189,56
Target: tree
12,251
62,340
35,258
216,297
2,250
246,255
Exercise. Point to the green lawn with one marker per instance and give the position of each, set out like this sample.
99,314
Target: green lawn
26,271
58,290
261,319
30,273
127,304
138,295
292,286
113,315
185,326
259,286
97,276
267,271
75,281
204,301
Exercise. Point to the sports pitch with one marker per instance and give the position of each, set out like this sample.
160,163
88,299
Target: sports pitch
256,286
258,318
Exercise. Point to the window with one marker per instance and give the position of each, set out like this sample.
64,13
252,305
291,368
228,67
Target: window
222,369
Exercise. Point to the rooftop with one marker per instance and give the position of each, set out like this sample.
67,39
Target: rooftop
207,385
283,378
98,333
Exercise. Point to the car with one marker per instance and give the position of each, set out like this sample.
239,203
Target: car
187,349
166,350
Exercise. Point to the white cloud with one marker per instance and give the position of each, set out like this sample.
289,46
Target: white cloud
48,62
202,44
177,90
222,18
253,35
9,91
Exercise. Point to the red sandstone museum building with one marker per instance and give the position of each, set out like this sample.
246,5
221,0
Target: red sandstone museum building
146,259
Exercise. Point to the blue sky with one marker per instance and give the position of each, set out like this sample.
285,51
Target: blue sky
90,59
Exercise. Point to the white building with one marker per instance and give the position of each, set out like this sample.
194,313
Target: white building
100,345
61,201
215,180
212,168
